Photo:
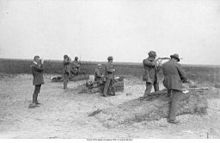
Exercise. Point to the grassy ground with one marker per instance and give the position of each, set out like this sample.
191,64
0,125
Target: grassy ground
194,72
64,114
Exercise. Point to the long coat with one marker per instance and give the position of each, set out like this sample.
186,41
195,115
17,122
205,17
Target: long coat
150,73
66,66
173,75
37,72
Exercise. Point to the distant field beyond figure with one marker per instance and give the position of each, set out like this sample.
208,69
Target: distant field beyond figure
194,72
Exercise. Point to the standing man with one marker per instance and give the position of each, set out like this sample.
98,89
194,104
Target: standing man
38,80
109,78
66,70
75,66
173,78
150,73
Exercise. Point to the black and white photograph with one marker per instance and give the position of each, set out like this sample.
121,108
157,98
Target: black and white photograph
110,70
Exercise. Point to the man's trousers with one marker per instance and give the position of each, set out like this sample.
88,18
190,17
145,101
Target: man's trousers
36,92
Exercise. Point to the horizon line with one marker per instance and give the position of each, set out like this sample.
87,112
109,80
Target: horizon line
118,62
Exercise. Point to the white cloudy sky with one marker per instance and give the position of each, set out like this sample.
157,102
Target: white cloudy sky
125,29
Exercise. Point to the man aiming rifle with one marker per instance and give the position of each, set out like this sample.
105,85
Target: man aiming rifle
150,73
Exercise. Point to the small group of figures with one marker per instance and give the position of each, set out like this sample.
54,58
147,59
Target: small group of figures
69,69
104,77
173,74
101,76
105,80
38,69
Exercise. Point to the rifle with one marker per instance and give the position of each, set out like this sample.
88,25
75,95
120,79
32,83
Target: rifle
159,62
162,58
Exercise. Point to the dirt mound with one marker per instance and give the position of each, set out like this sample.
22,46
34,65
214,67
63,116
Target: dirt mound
153,107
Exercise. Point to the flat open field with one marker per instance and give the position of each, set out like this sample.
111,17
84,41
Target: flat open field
64,114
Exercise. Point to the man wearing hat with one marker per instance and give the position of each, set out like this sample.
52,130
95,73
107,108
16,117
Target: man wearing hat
173,78
38,80
109,78
75,66
66,70
150,73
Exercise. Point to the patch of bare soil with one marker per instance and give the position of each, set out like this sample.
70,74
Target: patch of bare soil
65,114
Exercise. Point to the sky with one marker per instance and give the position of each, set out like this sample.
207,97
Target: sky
124,29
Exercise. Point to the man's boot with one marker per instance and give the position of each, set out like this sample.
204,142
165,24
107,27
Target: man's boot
33,104
173,121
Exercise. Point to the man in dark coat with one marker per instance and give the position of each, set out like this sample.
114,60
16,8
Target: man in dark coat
38,80
66,70
150,73
173,78
109,78
75,67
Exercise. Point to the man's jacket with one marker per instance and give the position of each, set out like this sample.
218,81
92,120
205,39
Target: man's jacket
150,72
173,75
109,71
66,66
37,71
